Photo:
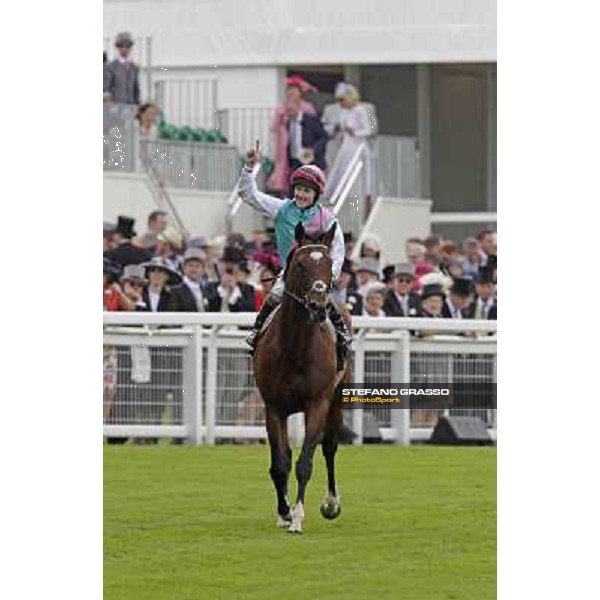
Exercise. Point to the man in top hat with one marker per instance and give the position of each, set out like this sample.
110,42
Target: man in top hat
459,299
367,272
133,282
189,296
121,76
345,293
126,252
484,306
227,294
400,299
157,295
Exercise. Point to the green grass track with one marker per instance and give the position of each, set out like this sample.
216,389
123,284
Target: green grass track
189,523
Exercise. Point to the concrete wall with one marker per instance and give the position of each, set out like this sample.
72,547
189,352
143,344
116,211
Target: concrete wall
393,221
203,212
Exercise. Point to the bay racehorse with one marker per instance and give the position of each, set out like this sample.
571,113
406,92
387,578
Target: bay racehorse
296,371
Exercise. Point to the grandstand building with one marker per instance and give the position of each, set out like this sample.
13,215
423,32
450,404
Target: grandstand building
428,69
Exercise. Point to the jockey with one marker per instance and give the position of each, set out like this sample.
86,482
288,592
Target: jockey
308,182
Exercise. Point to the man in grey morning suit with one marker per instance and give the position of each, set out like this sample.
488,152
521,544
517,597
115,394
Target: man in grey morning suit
121,83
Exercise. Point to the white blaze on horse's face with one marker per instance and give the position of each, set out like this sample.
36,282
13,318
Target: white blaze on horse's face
316,256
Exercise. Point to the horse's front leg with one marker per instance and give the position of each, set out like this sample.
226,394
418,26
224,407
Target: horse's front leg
331,507
315,419
281,463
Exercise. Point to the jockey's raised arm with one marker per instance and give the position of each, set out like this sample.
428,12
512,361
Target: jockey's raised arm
268,205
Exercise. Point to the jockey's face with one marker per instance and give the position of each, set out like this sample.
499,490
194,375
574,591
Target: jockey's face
304,196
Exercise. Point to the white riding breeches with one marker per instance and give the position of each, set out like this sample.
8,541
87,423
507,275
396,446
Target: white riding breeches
277,289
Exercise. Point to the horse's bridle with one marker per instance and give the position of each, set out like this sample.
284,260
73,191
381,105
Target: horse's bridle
316,313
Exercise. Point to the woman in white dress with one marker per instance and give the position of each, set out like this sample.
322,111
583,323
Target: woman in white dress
352,126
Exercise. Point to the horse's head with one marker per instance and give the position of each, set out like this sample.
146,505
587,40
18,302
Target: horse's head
308,274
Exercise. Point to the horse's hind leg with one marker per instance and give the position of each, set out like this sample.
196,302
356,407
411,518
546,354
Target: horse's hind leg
281,463
316,417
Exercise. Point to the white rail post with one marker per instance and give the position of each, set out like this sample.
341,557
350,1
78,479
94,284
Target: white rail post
211,388
359,377
192,387
400,418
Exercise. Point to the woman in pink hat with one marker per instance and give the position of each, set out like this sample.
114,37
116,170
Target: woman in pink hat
297,87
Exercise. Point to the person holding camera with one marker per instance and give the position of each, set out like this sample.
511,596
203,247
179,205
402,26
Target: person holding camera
227,294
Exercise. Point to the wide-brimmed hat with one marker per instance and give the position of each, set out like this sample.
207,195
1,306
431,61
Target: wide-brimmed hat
124,39
437,278
370,265
125,226
194,254
134,272
244,266
300,82
432,289
159,263
462,286
172,237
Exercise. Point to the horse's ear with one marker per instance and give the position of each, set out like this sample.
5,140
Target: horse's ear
327,238
300,234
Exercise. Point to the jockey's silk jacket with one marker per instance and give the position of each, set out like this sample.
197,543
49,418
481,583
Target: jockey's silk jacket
286,214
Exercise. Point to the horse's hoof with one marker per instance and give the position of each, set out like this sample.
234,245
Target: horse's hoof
284,522
293,529
330,509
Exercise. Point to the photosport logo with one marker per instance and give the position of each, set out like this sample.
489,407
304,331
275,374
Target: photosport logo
414,395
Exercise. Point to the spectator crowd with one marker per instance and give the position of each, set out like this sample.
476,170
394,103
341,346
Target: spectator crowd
158,270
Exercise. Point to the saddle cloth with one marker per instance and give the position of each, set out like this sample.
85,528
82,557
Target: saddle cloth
327,323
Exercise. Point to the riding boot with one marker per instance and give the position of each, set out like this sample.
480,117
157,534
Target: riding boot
343,336
267,308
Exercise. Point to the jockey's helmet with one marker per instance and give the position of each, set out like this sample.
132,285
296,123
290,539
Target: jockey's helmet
311,177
